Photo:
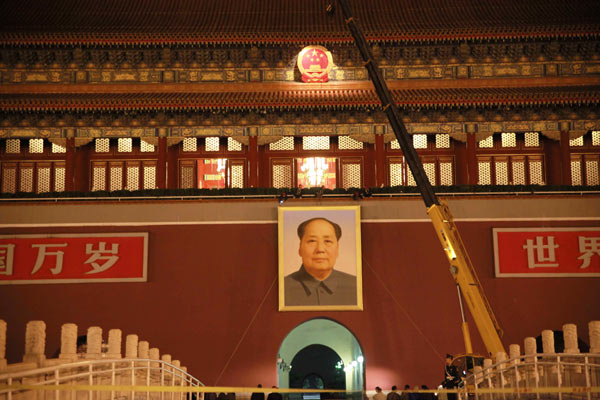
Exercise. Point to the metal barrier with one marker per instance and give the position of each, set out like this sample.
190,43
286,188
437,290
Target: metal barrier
537,376
115,373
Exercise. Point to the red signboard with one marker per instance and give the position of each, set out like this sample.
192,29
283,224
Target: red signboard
73,258
547,252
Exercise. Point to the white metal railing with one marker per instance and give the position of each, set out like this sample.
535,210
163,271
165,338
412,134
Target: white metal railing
576,374
117,373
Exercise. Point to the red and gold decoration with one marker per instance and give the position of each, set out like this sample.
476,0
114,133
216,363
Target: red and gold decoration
315,62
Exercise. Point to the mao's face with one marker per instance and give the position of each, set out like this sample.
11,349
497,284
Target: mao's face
319,248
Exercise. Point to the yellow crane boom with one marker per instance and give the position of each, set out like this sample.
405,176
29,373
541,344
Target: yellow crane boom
460,264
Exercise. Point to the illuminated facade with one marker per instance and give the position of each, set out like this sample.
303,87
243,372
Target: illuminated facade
153,106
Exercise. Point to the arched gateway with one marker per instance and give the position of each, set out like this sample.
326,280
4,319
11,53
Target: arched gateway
321,353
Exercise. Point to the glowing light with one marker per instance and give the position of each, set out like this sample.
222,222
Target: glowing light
354,363
360,359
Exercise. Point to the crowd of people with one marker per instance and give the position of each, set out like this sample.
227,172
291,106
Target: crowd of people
406,394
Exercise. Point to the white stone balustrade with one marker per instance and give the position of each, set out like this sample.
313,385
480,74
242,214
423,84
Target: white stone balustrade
114,343
154,354
94,343
570,338
143,348
35,342
594,327
2,344
131,346
68,342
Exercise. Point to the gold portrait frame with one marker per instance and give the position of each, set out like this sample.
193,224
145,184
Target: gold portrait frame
350,258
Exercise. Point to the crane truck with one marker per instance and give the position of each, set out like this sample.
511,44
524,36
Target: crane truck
461,268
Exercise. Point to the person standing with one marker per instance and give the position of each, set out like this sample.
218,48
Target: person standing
379,394
404,394
257,395
274,395
451,377
393,395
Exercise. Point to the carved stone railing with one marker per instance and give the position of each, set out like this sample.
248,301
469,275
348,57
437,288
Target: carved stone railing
101,364
547,375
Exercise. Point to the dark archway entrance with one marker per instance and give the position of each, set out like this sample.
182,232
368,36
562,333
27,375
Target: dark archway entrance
317,367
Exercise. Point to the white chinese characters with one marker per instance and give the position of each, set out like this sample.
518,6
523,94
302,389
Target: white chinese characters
109,260
53,256
542,251
540,254
6,258
587,247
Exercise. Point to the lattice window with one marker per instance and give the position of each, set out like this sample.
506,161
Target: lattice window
233,145
595,138
350,175
43,179
237,176
442,141
420,141
282,176
536,174
395,174
315,142
285,143
57,148
501,172
9,179
591,172
133,177
487,143
410,179
484,172
149,177
518,171
13,146
146,147
576,172
116,177
578,142
187,176
395,145
446,176
98,177
532,139
347,143
190,144
509,139
125,145
211,143
26,180
36,146
59,179
102,145
430,172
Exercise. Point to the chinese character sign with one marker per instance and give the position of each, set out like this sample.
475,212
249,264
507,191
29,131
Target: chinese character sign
547,252
73,258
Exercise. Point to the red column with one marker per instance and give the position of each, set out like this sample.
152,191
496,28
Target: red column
70,165
379,161
161,164
81,175
471,159
253,161
553,161
565,157
172,167
369,166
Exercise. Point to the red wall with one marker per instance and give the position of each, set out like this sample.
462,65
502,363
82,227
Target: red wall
211,301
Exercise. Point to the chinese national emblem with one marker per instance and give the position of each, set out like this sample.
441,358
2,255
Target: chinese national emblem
315,62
